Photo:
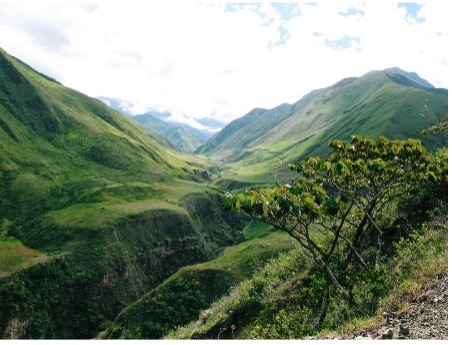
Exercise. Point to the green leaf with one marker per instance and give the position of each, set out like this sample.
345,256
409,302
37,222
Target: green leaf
265,208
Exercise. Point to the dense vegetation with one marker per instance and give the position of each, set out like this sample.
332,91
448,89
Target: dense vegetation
93,207
179,299
380,259
278,302
108,230
341,230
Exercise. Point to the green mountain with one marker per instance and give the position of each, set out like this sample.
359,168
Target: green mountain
243,131
184,139
107,229
414,77
93,209
255,148
168,126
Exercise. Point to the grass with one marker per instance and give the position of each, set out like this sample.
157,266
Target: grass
275,302
243,259
177,189
371,105
256,229
99,215
179,299
245,300
105,206
14,256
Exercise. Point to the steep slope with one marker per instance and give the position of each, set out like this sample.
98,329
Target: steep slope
414,77
378,103
277,302
91,204
240,133
53,136
182,138
156,313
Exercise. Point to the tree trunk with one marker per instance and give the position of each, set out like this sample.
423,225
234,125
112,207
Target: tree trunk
323,309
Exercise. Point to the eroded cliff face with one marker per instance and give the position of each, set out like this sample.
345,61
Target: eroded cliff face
76,295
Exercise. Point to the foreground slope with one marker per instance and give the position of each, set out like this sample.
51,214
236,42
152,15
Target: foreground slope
93,207
180,298
277,303
391,102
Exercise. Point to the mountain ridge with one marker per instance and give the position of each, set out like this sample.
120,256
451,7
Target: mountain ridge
92,209
413,76
105,209
182,138
192,136
377,103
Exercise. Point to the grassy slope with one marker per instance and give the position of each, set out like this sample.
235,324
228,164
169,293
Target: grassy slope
179,299
276,302
240,133
96,196
14,256
374,104
64,154
181,137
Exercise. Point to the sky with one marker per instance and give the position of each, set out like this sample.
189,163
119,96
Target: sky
209,59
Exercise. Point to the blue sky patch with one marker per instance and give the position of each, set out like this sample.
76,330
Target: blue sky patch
412,11
287,10
232,7
284,35
344,42
351,12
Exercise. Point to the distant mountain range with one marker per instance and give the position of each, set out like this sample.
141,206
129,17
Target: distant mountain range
185,137
389,102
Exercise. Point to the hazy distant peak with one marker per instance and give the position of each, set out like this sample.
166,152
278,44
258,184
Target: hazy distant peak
409,75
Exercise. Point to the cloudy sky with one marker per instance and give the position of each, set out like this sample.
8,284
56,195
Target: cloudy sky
217,59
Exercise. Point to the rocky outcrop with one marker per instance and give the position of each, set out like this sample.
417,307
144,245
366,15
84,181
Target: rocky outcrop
426,318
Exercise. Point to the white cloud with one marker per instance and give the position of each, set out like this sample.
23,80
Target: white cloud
198,59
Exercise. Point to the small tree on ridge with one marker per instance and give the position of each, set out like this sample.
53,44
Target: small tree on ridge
335,208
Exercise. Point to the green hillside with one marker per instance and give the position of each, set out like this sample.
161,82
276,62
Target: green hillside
93,209
348,288
179,299
277,302
243,131
180,137
60,148
257,147
110,228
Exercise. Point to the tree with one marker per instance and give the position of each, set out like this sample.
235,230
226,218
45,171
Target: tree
335,208
439,129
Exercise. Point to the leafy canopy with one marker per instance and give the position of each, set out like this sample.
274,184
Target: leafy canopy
335,208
